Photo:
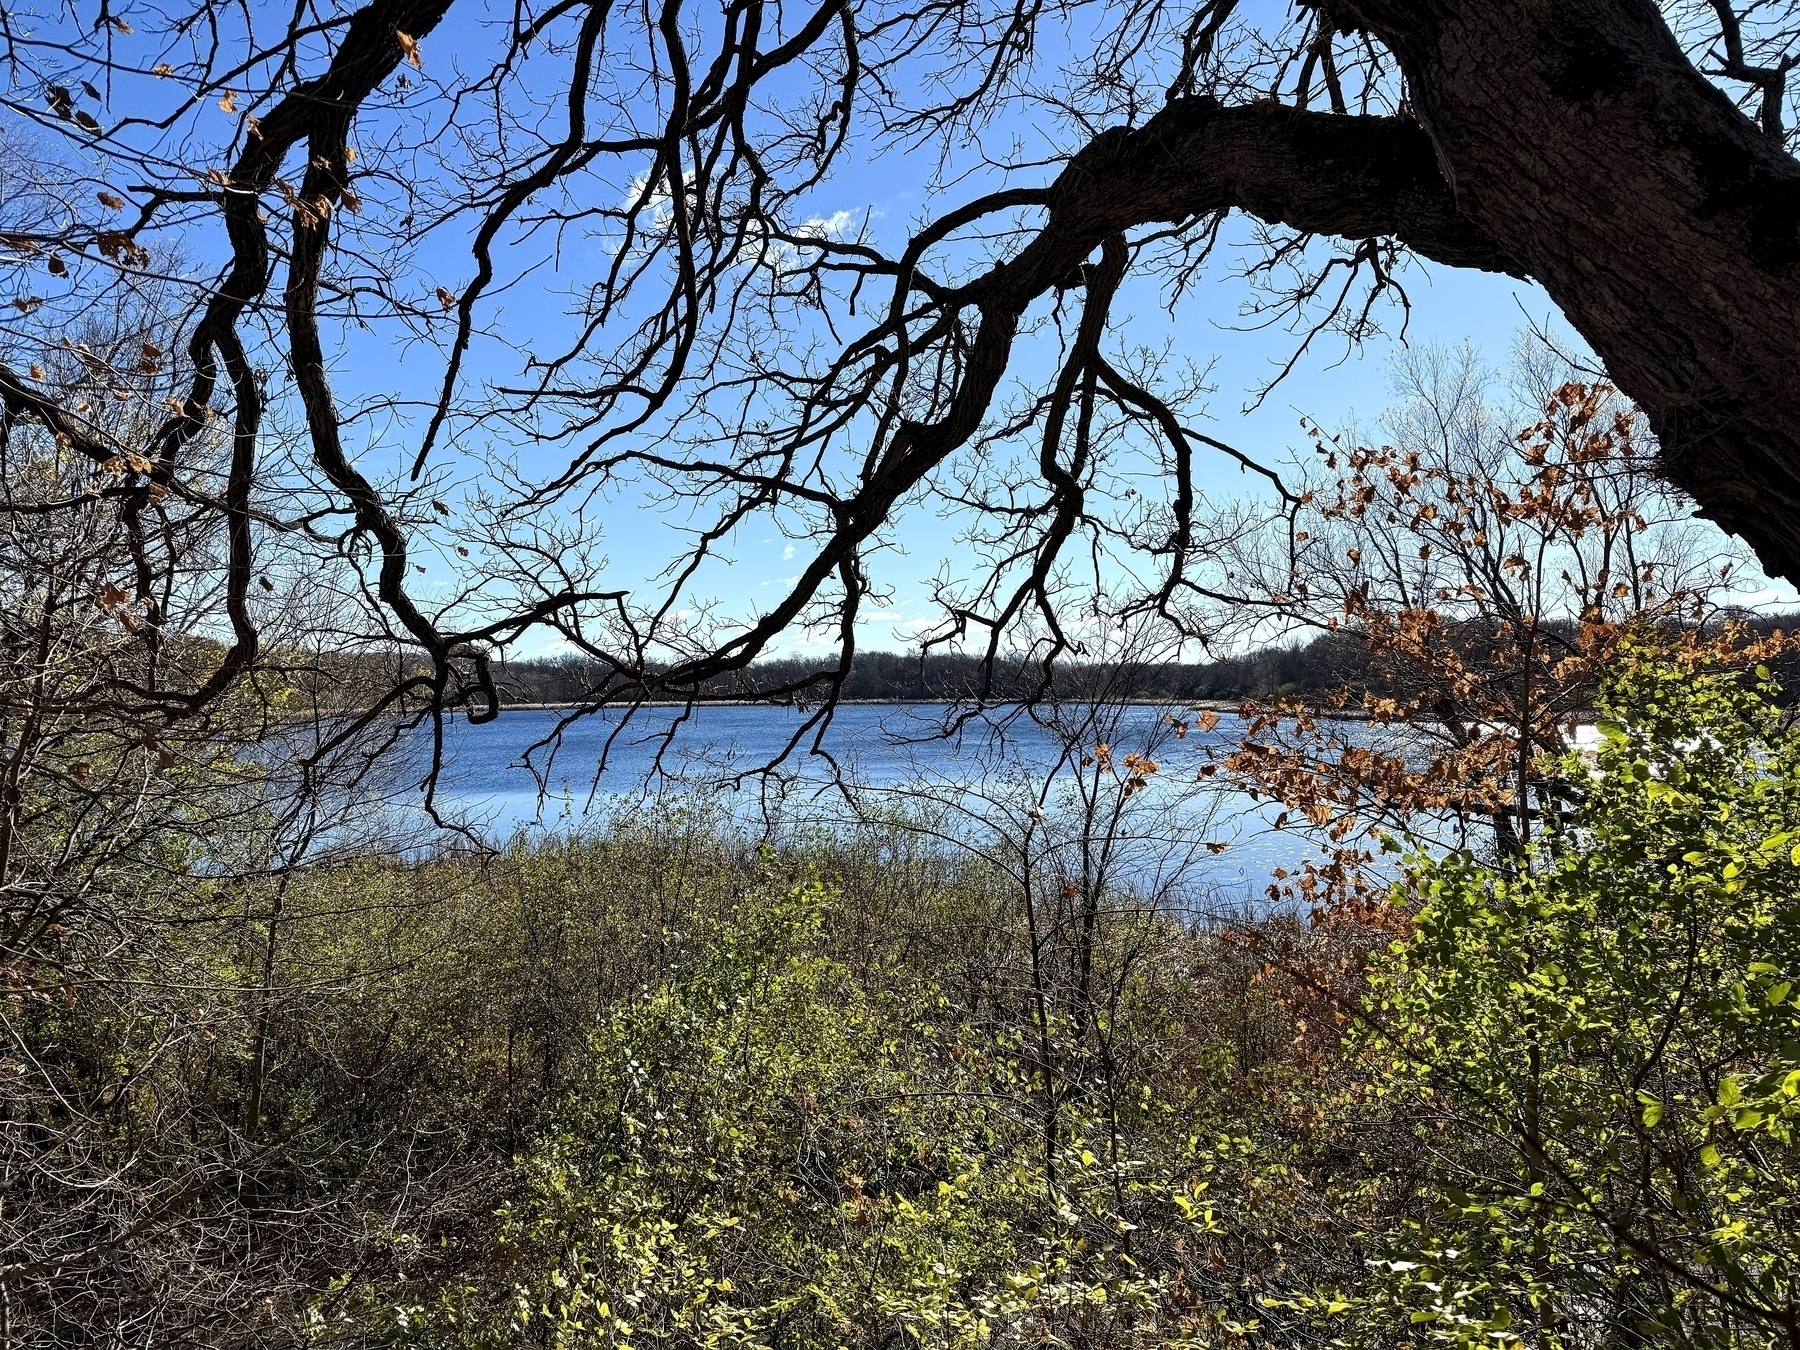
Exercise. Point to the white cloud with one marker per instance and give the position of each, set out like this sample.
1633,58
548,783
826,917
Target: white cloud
1772,595
758,248
827,227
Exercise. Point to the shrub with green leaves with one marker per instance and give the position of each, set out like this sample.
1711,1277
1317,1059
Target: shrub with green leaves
762,1151
1602,1046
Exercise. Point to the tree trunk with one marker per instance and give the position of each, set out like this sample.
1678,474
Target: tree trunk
1663,222
1568,141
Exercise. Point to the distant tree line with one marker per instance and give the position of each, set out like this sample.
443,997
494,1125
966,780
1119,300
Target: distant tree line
1308,670
940,677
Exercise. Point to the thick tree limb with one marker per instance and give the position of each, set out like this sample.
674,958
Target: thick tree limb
1358,177
1570,141
1314,172
1664,223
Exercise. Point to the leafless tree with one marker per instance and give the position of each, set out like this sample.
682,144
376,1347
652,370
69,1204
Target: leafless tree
1473,564
394,177
153,1186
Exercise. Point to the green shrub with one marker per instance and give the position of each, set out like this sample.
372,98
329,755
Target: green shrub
762,1151
1602,1047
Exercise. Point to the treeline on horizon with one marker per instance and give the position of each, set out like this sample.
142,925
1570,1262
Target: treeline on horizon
1306,670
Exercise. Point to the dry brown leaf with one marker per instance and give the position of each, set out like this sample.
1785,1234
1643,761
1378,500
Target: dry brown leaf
409,48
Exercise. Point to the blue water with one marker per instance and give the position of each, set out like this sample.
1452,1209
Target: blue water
517,774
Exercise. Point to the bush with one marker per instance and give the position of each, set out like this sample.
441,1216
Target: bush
1604,1050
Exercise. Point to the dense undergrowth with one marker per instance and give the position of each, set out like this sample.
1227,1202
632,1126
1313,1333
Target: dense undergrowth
665,1085
657,1077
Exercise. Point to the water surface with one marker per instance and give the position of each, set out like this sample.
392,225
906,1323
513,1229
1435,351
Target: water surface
878,756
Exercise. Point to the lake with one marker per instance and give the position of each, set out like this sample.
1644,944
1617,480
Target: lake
881,757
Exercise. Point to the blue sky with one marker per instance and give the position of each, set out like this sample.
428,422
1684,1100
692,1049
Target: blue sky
1332,384
892,190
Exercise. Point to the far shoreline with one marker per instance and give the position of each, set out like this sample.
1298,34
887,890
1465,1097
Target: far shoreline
1224,707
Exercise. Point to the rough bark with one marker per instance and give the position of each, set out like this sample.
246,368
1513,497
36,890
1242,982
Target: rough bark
1664,223
1568,141
1359,177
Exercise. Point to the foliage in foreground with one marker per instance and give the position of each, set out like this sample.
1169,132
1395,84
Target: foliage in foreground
657,1088
763,1151
1564,1117
1605,1049
773,1148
